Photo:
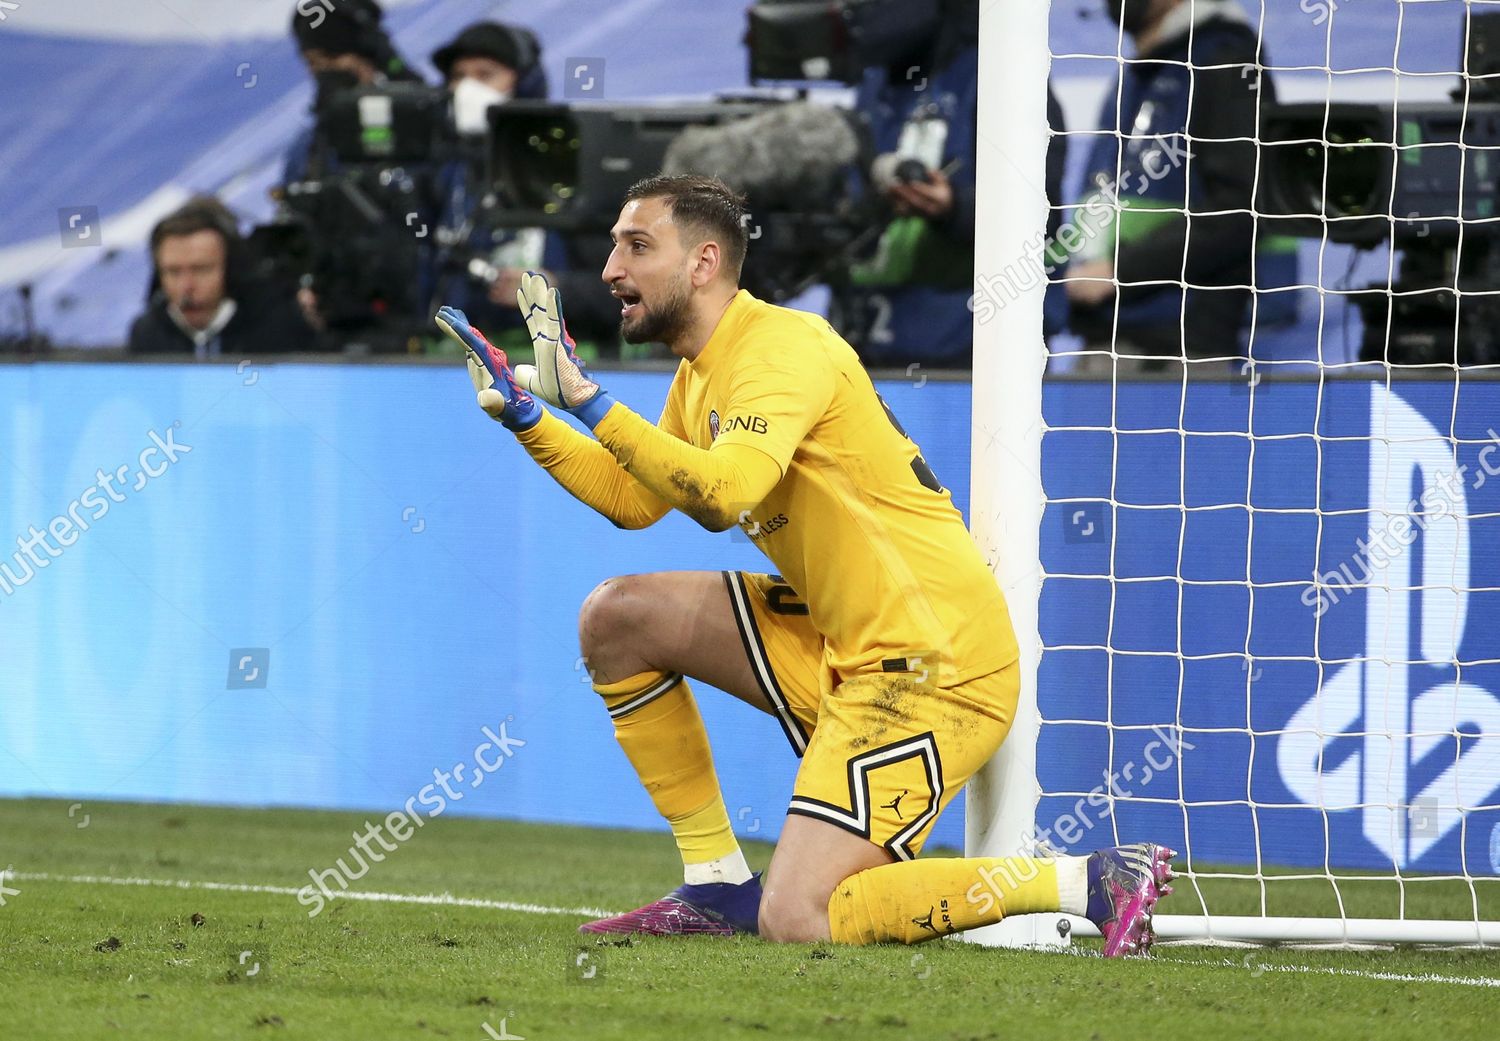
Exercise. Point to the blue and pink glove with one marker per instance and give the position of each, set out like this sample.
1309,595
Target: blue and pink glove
500,395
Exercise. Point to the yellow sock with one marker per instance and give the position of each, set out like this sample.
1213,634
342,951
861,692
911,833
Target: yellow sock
920,900
658,725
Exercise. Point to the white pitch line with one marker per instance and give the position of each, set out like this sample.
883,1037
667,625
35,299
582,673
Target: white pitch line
1261,967
1332,970
443,899
449,900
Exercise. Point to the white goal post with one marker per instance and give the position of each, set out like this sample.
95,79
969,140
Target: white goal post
1005,497
1311,712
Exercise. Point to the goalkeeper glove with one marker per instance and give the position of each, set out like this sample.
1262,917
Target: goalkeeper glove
495,385
558,377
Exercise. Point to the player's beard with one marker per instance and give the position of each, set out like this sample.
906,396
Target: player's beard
663,322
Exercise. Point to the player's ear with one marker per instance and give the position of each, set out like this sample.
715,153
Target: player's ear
707,263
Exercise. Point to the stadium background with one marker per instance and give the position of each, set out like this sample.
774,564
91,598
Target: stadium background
161,105
340,523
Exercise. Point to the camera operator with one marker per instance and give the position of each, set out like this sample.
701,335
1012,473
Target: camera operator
488,64
1191,112
203,300
909,303
343,44
338,233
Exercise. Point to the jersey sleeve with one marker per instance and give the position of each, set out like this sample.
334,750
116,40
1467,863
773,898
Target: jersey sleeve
591,474
712,486
776,394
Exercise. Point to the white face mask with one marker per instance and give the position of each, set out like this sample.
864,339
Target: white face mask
471,101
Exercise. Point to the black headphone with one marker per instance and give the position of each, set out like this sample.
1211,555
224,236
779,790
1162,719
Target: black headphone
369,19
220,219
532,79
525,56
371,40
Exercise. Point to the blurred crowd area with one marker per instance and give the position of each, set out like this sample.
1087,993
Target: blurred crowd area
1176,229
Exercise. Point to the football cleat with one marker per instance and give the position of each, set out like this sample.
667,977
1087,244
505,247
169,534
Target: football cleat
714,909
1125,882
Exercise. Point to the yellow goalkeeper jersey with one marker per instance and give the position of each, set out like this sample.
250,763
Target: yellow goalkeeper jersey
858,524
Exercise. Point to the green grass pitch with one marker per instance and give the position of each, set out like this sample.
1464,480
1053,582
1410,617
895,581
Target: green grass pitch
83,957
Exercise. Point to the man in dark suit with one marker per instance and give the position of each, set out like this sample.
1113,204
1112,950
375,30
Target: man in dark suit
203,301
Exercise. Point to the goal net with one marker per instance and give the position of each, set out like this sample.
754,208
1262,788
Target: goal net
1249,520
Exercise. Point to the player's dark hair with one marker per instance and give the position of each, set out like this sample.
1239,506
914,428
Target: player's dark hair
703,208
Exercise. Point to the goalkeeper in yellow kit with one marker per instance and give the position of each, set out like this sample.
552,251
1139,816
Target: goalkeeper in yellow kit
883,647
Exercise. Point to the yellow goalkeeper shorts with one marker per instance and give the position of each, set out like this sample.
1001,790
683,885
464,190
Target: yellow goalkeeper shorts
882,752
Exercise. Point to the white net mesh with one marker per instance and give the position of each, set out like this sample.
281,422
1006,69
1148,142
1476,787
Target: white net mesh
1271,554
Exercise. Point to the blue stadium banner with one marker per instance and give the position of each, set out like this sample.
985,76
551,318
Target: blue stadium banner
330,586
1298,649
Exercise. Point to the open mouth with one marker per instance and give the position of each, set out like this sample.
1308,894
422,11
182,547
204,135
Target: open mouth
630,304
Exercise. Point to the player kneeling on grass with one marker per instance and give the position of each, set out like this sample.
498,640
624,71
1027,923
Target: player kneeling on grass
886,653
